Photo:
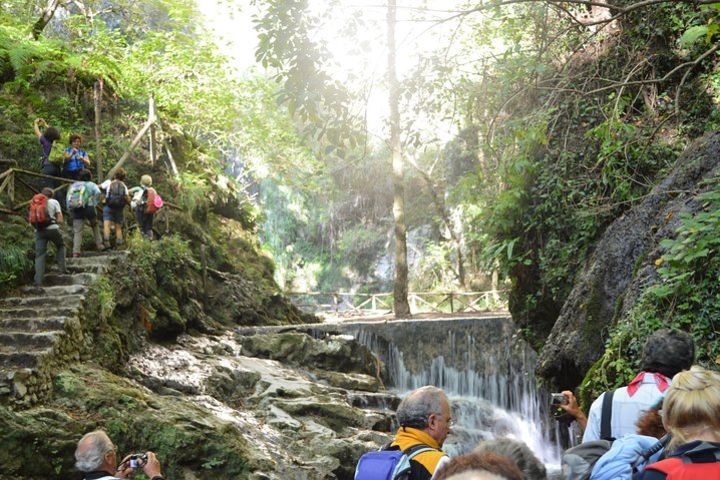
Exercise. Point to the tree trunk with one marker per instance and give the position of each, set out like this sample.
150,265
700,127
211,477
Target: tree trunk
97,96
47,14
401,306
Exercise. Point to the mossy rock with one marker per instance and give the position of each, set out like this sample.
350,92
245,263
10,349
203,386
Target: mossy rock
335,353
184,435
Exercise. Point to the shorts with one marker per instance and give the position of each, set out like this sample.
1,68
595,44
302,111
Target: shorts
114,215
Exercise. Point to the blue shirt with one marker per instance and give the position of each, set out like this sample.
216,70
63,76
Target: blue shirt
75,162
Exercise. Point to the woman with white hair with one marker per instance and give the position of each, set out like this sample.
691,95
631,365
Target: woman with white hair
144,204
691,415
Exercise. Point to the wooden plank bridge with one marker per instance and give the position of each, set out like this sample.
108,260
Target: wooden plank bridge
351,304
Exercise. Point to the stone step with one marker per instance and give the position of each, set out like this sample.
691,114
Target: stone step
33,325
21,341
56,290
80,278
38,312
25,359
95,269
43,301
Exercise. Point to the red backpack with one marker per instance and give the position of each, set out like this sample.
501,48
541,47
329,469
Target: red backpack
154,201
38,215
689,467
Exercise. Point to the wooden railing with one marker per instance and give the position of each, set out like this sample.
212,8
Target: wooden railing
381,303
16,190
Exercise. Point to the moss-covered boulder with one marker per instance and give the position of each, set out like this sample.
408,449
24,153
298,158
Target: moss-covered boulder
333,352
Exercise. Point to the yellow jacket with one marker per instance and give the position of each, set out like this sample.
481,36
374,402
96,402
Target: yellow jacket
407,437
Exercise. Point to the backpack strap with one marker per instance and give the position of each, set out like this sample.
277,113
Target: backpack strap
417,450
606,416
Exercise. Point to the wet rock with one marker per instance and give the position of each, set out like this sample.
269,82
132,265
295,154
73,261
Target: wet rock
349,381
230,385
335,352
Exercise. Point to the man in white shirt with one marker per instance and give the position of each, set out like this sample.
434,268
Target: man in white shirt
49,233
666,353
96,457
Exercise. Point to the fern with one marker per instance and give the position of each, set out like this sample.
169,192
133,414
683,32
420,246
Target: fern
14,262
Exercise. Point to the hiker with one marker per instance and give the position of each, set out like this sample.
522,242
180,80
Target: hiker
666,352
74,158
425,419
82,199
414,453
144,204
96,458
46,216
116,197
691,414
518,453
488,462
47,139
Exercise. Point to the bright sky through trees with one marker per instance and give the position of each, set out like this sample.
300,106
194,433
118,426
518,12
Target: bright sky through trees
359,57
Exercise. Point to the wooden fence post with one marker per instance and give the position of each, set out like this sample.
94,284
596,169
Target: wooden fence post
97,97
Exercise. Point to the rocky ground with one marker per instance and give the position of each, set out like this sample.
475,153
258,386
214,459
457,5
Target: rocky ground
213,407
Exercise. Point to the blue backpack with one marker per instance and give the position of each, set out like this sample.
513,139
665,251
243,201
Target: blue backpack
388,464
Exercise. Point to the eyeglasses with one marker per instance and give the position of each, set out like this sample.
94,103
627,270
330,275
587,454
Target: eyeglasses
449,420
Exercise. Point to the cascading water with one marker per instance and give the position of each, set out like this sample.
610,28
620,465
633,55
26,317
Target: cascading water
486,370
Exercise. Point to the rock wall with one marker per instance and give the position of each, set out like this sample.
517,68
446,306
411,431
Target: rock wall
622,266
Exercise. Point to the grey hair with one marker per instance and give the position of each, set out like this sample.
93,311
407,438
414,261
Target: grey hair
415,409
475,475
91,450
519,453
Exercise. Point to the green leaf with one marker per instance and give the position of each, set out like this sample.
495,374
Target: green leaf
692,35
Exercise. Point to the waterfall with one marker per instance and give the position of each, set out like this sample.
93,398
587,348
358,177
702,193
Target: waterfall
486,370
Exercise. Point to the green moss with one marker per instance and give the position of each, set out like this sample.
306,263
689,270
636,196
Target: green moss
182,434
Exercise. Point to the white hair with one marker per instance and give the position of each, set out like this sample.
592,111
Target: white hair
415,409
91,450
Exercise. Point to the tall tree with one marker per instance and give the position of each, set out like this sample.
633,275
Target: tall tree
401,306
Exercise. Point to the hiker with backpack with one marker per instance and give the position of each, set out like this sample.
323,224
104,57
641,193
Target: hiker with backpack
691,414
46,216
47,139
415,452
81,200
145,203
74,158
116,197
613,414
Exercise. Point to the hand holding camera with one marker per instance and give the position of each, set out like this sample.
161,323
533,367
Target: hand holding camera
147,461
566,401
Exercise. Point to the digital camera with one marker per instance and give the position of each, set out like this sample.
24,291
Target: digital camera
558,399
137,460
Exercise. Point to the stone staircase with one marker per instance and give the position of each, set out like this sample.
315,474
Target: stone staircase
41,329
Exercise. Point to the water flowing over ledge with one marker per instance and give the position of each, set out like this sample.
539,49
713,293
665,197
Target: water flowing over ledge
484,366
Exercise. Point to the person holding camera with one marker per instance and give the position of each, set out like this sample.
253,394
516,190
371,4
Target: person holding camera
96,457
74,158
614,413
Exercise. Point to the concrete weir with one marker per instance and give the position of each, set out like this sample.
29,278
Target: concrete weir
481,362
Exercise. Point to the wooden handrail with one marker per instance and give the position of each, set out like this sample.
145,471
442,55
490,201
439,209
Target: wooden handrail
438,302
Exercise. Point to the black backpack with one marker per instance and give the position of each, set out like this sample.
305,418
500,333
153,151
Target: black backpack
116,197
